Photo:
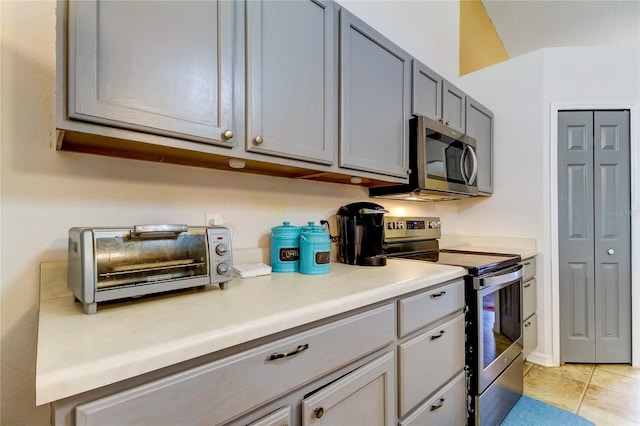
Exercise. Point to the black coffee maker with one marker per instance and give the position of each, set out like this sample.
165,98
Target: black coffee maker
361,234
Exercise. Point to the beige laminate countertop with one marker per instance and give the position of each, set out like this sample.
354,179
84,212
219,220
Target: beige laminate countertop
79,352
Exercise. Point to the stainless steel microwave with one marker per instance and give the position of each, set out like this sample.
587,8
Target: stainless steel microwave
443,162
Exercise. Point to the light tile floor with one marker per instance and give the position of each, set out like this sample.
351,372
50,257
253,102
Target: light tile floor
606,394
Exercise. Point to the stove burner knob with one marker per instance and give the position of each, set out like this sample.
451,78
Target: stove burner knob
222,249
222,268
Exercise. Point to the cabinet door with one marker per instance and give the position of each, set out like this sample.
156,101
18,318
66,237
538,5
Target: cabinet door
426,92
157,67
453,107
374,100
363,397
480,127
448,407
529,298
428,361
291,90
529,335
280,417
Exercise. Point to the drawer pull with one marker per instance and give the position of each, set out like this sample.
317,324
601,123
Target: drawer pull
442,293
438,405
527,285
527,324
437,336
279,355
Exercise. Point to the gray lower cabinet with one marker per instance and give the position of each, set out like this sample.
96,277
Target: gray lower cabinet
291,79
431,357
529,295
119,75
447,407
219,391
280,417
479,126
363,397
375,96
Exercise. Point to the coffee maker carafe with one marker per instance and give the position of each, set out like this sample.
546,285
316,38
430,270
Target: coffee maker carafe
361,234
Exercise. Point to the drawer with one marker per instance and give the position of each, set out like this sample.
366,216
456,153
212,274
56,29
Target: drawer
529,269
428,361
530,335
422,309
448,407
245,380
529,295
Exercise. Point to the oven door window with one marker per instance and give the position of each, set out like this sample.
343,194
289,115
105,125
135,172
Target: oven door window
501,321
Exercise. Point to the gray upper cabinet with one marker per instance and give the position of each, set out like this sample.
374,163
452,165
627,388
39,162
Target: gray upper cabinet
453,107
426,96
162,67
291,79
436,98
375,96
480,127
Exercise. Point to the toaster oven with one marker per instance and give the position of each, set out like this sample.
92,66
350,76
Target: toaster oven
106,264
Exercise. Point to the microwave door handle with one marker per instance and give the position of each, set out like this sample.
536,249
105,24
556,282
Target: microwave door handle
463,160
474,172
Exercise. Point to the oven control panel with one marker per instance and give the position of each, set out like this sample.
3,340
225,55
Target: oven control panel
411,227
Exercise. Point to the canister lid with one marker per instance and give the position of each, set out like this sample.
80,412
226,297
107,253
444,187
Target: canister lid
312,227
286,230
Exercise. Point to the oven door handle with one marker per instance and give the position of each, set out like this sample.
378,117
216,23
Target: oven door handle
507,276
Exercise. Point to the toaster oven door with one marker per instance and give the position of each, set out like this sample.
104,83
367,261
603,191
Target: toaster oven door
125,260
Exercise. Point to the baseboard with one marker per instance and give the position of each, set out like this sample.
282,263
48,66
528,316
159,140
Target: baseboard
541,359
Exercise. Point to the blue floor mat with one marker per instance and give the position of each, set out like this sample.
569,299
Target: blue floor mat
531,412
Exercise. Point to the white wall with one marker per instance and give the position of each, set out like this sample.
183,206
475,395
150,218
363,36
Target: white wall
45,192
521,93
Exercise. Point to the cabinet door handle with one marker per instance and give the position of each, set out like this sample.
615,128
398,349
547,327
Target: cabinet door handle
279,355
318,412
442,293
527,324
437,336
434,407
527,285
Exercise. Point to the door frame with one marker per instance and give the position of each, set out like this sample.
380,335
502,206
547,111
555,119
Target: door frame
634,134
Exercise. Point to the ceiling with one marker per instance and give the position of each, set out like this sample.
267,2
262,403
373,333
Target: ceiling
528,25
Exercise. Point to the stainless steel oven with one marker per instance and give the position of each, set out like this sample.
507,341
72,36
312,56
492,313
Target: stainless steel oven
494,343
493,318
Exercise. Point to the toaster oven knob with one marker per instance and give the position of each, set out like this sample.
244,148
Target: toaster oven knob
222,249
222,268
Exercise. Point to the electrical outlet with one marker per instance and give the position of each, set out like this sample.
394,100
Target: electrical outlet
213,219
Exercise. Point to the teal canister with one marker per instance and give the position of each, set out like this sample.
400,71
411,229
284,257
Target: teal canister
315,250
285,248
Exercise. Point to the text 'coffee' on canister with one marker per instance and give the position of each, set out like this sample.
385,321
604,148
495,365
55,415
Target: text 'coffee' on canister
285,248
